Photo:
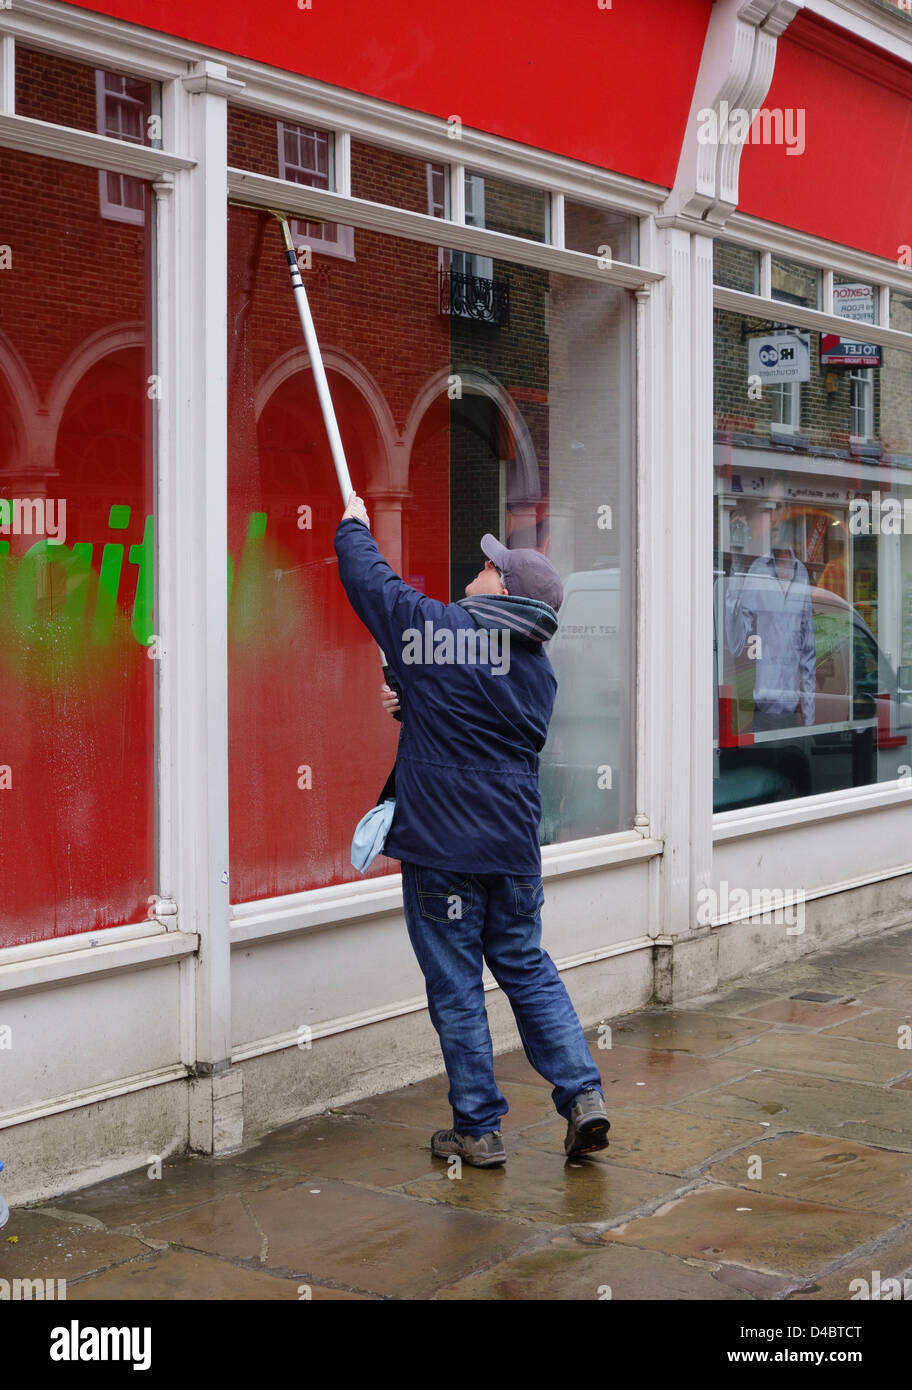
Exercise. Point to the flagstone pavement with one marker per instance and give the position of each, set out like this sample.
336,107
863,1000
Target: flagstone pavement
761,1148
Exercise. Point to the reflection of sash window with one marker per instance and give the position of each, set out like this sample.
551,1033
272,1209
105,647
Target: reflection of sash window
122,106
306,156
861,425
785,406
463,262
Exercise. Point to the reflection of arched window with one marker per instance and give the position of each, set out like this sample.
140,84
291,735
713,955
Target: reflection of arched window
101,440
491,465
294,450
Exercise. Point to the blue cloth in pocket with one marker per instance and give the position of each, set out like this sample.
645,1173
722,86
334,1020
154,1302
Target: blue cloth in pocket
370,834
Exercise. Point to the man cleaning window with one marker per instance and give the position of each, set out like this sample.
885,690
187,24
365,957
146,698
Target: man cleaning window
474,720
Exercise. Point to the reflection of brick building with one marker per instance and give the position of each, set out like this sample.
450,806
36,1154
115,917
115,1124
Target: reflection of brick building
75,357
825,419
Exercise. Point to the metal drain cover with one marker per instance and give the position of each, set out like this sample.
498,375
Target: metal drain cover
816,998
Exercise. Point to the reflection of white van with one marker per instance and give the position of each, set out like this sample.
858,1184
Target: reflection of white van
862,715
590,656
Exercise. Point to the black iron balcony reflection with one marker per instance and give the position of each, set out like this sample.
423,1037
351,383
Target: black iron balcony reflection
475,297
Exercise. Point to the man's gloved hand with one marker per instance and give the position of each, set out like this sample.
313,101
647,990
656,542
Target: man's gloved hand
356,509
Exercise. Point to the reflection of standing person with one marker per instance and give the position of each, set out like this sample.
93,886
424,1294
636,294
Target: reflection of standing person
772,602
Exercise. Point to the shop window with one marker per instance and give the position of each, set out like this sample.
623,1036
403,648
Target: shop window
399,180
451,428
588,228
306,156
855,300
516,209
813,565
52,87
77,686
901,311
736,267
794,283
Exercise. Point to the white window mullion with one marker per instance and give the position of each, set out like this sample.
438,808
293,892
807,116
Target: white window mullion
457,194
7,74
826,303
557,219
342,163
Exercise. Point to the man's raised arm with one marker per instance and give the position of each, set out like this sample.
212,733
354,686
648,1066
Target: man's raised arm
386,605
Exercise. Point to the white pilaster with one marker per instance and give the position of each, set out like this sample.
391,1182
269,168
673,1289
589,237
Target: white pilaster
192,540
672,607
702,495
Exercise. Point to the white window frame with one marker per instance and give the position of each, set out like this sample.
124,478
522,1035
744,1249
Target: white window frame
342,245
115,212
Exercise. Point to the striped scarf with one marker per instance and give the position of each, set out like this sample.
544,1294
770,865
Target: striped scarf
528,620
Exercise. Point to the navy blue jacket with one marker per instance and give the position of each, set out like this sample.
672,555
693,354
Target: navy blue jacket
467,792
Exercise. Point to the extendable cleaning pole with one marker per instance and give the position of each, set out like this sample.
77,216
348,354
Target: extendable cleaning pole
316,361
319,371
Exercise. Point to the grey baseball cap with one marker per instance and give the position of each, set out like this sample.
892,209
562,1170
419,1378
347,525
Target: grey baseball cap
527,573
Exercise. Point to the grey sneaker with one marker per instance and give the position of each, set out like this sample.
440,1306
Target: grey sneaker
482,1151
588,1127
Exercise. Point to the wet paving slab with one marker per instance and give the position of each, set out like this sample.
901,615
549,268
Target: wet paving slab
634,1074
871,1114
894,994
890,954
811,1168
537,1184
890,1027
617,1273
347,1236
148,1194
773,1235
732,1002
844,1058
663,1140
813,975
186,1274
47,1244
760,1148
348,1147
807,1013
677,1030
864,1274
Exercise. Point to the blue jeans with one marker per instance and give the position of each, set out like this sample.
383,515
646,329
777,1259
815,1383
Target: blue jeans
457,923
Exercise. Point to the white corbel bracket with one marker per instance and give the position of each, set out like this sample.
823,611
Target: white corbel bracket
736,70
211,78
163,187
